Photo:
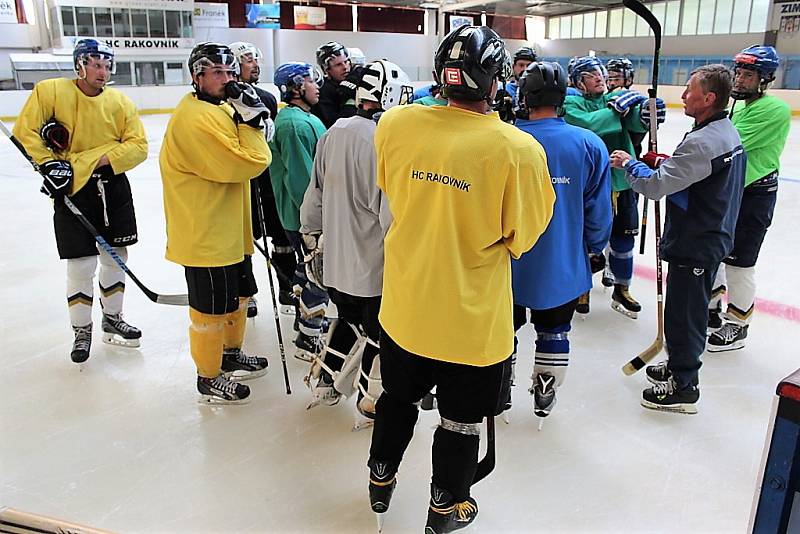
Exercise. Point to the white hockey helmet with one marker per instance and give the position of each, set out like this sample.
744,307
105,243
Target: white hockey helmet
385,83
357,57
241,49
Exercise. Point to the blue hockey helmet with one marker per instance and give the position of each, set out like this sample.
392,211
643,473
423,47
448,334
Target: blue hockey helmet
290,75
587,65
91,48
762,59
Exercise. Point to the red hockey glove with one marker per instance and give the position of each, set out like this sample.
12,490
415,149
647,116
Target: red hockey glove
654,159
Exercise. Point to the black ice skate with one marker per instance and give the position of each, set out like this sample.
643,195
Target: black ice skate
730,337
382,481
236,365
658,373
307,347
714,319
608,277
252,307
82,343
583,304
220,390
624,303
544,394
446,515
117,332
666,397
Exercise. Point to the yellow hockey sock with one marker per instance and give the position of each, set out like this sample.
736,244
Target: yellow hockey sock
205,341
235,325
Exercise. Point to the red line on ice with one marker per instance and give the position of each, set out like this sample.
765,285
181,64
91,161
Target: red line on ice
770,307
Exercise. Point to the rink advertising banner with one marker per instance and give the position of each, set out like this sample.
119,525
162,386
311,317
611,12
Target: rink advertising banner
309,18
8,12
207,15
456,21
263,16
172,5
136,42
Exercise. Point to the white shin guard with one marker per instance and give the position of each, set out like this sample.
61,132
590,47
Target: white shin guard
112,281
741,294
552,364
80,273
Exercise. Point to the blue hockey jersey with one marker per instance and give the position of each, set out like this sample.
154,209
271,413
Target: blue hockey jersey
556,270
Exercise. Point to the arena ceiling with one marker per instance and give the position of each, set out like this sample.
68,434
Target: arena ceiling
543,8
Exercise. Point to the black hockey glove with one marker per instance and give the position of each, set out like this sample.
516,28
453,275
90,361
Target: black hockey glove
57,176
597,262
347,88
504,105
55,136
244,99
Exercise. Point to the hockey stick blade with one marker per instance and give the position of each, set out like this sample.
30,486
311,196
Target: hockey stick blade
637,363
173,300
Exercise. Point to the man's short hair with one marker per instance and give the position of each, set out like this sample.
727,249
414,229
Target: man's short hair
715,79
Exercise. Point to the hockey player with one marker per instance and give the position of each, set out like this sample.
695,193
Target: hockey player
620,73
523,57
613,117
703,182
466,192
210,152
297,131
549,279
283,258
433,99
334,62
763,124
344,205
85,136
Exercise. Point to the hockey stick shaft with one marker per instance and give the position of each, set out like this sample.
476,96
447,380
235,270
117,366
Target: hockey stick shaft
173,300
486,465
262,222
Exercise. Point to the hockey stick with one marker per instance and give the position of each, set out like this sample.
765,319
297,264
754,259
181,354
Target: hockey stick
263,224
281,277
174,300
486,465
655,348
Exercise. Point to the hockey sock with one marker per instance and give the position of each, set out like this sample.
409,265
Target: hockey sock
719,289
80,272
741,293
236,321
205,341
552,351
394,427
284,261
112,281
620,258
455,458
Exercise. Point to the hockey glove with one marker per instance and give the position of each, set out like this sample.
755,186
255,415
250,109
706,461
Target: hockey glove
244,99
504,105
269,128
312,258
597,262
57,176
623,101
661,112
347,88
654,159
55,135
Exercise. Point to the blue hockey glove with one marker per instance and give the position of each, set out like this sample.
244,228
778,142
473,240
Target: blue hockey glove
661,112
623,101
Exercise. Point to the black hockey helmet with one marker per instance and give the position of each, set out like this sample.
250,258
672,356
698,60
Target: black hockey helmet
526,52
622,65
328,51
468,61
205,55
543,83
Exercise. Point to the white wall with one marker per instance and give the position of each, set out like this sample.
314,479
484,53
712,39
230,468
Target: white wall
16,39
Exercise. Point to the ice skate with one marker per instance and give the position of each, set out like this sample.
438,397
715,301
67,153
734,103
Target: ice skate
730,337
117,332
658,373
714,319
82,344
287,302
583,304
624,303
365,414
236,365
307,347
544,395
608,277
220,390
252,307
382,481
666,397
323,392
447,515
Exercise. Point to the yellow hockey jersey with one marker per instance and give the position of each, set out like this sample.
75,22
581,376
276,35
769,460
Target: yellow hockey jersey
466,192
104,124
207,162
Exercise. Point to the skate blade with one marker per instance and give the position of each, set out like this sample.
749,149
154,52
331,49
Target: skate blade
287,309
541,424
617,307
323,402
303,356
361,425
686,409
506,418
211,400
725,348
241,375
110,338
379,519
